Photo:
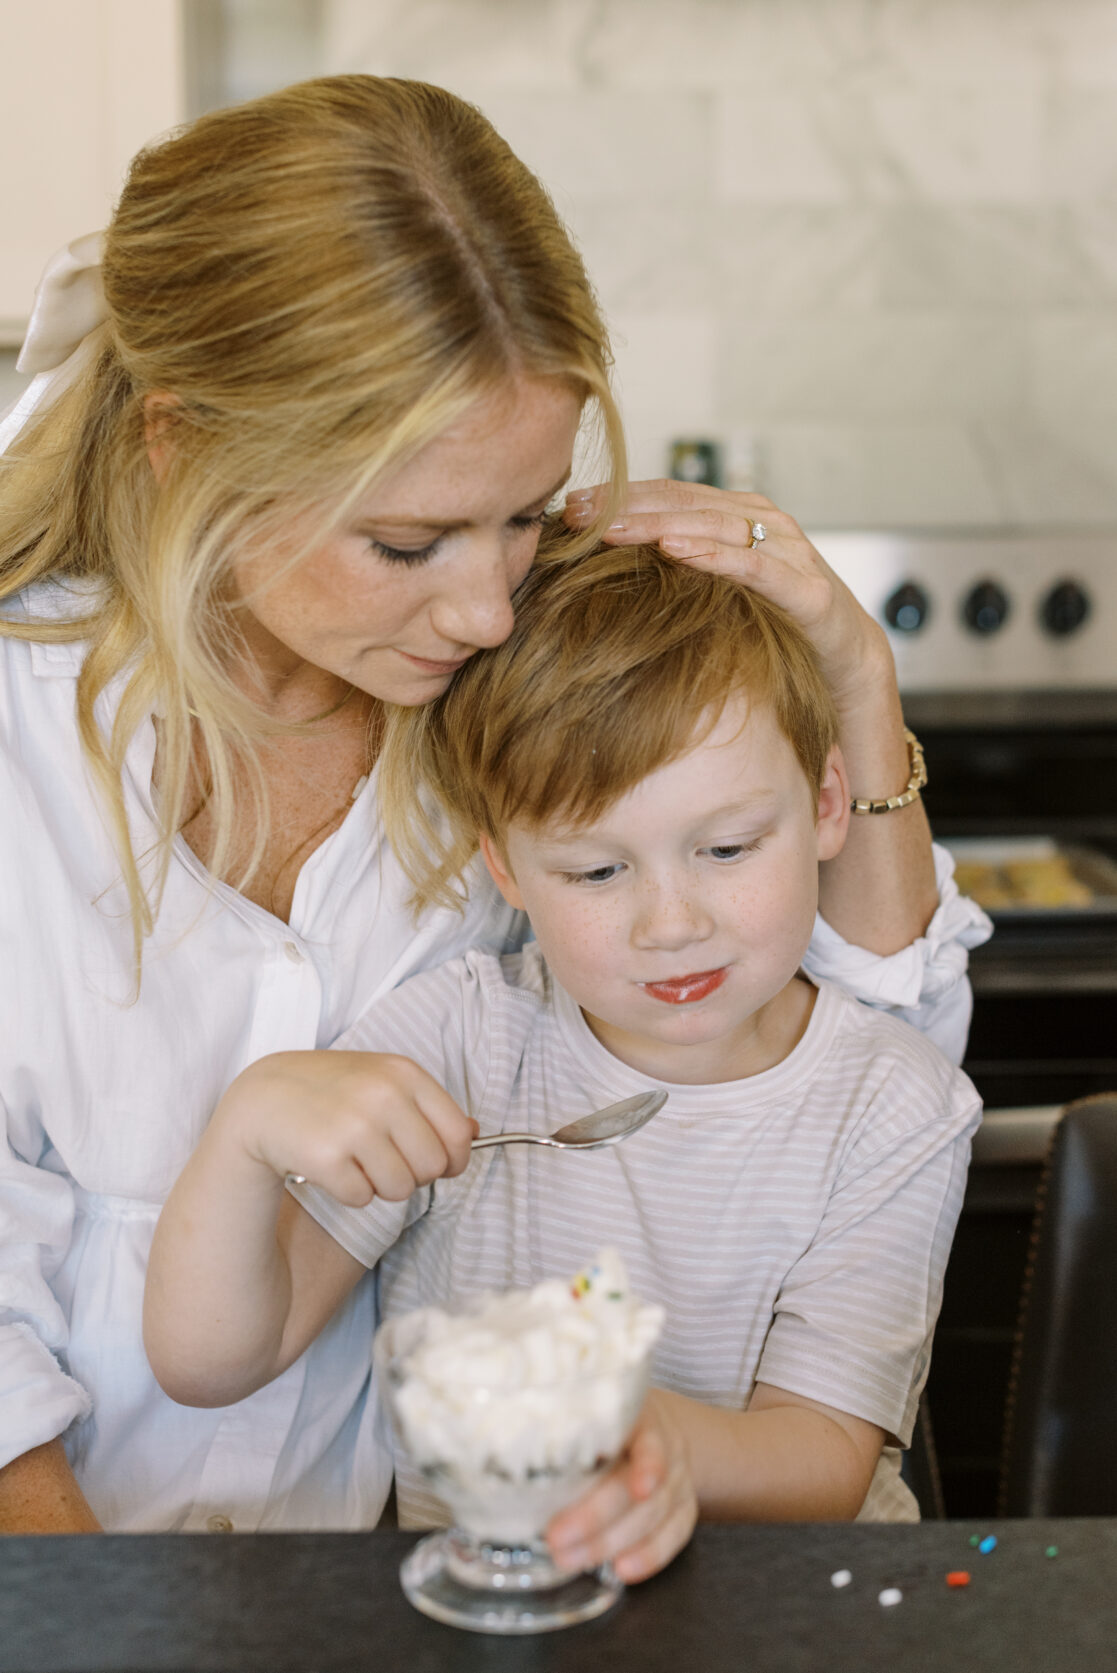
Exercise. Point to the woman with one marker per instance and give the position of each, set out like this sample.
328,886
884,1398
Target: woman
300,470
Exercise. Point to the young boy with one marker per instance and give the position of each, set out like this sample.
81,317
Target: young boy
649,765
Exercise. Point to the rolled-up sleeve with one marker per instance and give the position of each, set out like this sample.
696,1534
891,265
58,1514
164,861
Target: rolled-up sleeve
38,1400
925,983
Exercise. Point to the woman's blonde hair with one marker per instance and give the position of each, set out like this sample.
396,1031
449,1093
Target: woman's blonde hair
322,281
619,661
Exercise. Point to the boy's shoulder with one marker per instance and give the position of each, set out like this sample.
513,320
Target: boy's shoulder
478,992
892,1069
865,1027
468,1021
496,979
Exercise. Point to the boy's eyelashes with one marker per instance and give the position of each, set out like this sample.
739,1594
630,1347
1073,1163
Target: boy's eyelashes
594,874
722,853
420,554
726,851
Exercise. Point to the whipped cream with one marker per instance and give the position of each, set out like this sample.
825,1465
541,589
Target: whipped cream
511,1408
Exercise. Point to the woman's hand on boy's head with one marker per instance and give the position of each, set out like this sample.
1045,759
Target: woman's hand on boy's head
712,527
642,1513
359,1124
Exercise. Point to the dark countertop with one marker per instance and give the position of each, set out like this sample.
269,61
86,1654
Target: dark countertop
750,1600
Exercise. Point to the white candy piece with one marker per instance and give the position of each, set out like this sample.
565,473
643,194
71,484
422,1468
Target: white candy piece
841,1578
891,1595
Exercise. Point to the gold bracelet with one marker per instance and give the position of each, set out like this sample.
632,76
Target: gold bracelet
911,789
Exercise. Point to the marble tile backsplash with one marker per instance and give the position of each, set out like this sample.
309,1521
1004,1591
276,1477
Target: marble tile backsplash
870,246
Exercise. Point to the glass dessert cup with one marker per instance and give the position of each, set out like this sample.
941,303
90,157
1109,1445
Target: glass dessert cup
510,1461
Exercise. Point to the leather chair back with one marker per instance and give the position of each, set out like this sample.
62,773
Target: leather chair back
1060,1455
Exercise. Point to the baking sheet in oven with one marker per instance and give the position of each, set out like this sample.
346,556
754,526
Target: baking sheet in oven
1027,877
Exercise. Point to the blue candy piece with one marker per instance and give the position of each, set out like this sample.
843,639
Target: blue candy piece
989,1543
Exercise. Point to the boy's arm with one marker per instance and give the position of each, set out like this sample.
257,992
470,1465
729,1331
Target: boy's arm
784,1459
854,1318
241,1279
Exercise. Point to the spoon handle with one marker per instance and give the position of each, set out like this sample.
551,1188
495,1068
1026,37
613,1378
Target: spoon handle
509,1138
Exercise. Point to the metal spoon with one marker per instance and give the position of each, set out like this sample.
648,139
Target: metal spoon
611,1125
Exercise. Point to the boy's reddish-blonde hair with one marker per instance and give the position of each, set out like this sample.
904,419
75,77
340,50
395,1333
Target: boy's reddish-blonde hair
619,661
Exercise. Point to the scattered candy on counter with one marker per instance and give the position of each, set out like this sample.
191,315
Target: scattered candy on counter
956,1578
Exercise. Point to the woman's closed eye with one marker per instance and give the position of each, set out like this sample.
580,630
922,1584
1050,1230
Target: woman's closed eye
405,554
420,554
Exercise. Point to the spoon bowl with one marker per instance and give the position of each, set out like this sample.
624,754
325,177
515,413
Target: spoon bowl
611,1125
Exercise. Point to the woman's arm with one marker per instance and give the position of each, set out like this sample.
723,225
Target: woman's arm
880,891
784,1459
39,1495
38,1400
241,1279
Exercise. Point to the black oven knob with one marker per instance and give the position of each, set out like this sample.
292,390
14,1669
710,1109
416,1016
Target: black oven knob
1065,608
985,609
907,608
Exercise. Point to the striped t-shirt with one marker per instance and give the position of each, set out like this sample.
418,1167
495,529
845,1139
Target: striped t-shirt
794,1225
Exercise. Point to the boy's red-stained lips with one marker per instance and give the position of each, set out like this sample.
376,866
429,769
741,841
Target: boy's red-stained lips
686,990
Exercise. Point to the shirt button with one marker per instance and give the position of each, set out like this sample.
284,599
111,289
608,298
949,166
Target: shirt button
219,1524
291,948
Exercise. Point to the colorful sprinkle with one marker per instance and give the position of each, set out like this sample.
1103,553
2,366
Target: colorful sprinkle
974,1539
1052,1551
958,1577
841,1578
583,1282
989,1543
890,1596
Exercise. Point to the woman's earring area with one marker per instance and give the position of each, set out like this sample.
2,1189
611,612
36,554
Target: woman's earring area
158,423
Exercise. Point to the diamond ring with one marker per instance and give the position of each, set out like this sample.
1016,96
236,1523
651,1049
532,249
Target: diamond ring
758,533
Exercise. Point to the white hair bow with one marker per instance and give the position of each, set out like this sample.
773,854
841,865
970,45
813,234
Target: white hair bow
69,307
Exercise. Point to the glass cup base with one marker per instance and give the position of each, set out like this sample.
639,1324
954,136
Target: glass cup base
501,1588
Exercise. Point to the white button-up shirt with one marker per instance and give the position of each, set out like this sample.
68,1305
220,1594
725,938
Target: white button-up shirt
104,1095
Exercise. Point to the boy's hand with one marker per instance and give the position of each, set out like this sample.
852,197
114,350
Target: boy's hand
359,1124
642,1513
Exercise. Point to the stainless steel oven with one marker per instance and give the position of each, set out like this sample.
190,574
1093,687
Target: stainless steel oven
1006,649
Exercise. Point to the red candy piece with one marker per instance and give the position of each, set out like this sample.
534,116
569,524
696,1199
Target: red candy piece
958,1577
